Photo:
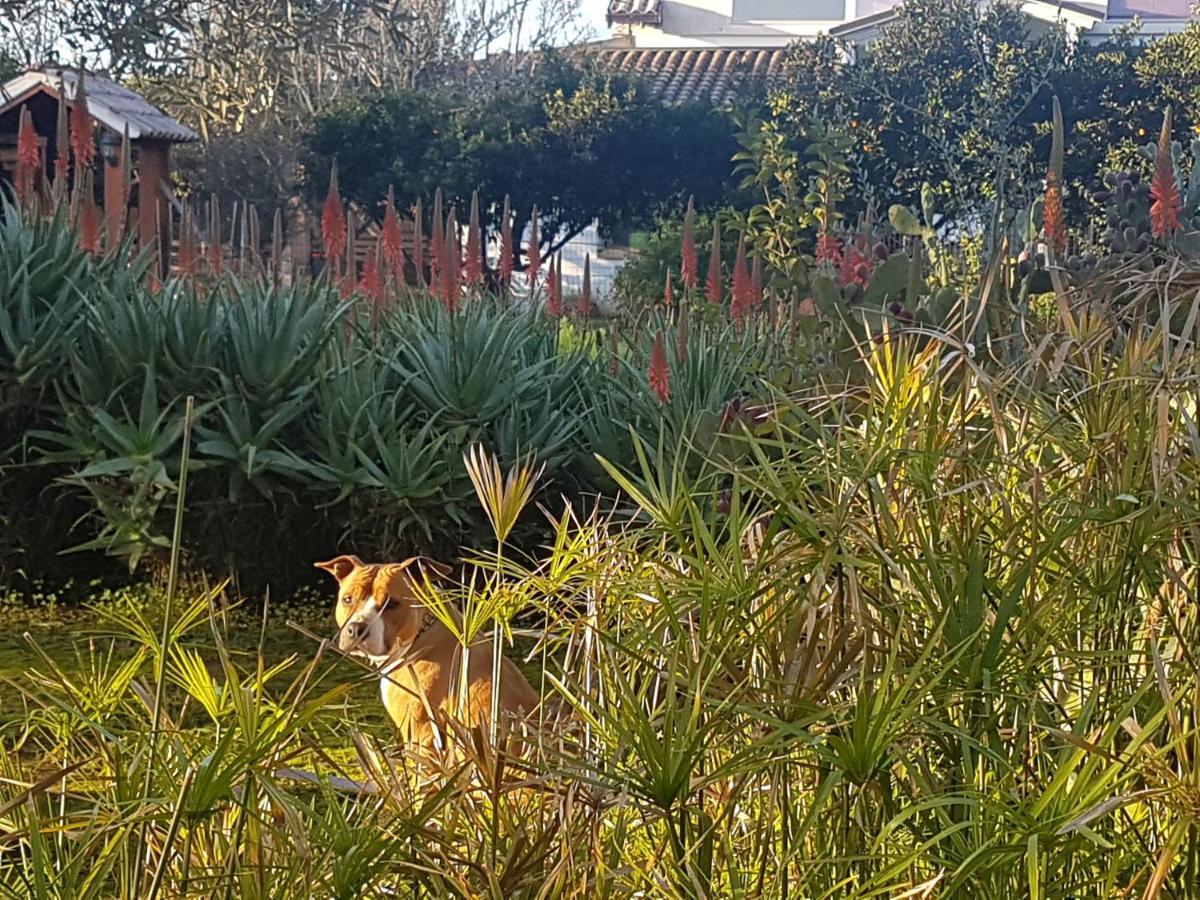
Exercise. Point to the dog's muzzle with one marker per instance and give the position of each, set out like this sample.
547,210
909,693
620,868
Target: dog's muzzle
353,633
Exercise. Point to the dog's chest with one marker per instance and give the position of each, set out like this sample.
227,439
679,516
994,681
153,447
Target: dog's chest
414,689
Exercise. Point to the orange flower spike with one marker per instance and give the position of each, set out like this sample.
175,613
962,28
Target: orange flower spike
688,270
554,297
89,227
418,241
370,285
392,239
713,287
437,242
660,373
333,220
585,293
1164,187
534,251
829,249
681,338
451,267
83,143
505,263
740,305
668,292
474,261
29,158
1055,225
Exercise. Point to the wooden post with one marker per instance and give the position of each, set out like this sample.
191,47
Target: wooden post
154,219
114,202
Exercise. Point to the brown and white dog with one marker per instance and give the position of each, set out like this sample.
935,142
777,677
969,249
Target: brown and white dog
419,660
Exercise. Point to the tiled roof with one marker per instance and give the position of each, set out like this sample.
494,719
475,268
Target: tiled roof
111,104
697,75
643,12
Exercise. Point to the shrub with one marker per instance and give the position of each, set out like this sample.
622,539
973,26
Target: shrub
925,631
313,418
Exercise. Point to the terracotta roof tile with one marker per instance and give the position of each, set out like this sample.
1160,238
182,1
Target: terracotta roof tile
715,75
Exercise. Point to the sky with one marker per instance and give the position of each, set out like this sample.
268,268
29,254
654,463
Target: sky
593,15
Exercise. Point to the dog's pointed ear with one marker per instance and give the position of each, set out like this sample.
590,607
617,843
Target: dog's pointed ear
386,578
340,566
429,566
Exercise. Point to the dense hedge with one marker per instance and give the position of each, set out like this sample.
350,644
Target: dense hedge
319,423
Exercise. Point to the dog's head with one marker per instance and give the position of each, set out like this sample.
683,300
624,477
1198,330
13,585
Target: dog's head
376,608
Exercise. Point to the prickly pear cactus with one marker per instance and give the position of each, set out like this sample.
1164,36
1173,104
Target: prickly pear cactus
1126,200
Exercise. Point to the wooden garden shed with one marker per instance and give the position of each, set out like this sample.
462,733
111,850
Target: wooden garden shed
115,110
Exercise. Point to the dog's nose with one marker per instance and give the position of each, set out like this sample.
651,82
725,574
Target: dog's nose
354,631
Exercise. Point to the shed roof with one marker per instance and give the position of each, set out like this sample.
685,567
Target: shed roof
111,104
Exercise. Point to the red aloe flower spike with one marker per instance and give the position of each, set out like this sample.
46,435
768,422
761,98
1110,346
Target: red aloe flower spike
83,143
756,283
333,220
370,285
418,242
554,297
474,262
505,263
681,340
688,271
29,158
740,305
451,264
62,152
1164,188
829,249
437,241
855,266
456,260
1055,225
713,287
89,225
392,239
660,372
534,251
668,292
585,293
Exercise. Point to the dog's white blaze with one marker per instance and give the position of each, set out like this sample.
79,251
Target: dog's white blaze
372,644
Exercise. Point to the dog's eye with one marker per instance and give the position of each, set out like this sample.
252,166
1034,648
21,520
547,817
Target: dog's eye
347,599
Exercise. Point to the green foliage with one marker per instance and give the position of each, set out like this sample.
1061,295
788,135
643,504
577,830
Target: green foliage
943,97
578,144
959,96
798,193
924,632
311,419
